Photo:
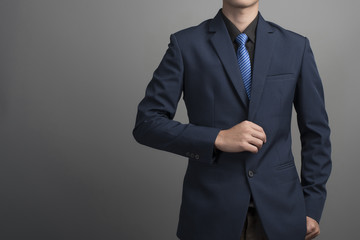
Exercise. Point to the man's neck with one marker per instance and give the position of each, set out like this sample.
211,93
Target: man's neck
241,17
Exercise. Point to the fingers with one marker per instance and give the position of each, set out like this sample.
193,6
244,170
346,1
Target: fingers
256,142
257,132
255,137
245,136
313,229
312,235
250,148
259,135
255,126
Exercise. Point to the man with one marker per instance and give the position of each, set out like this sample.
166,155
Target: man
240,76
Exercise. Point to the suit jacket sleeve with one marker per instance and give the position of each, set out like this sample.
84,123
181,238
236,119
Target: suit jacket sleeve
315,135
155,126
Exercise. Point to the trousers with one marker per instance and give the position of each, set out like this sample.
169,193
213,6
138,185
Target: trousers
253,229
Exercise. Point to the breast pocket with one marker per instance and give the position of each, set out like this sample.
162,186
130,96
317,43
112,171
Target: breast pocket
281,77
278,94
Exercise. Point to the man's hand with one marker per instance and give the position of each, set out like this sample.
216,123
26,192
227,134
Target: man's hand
313,228
245,136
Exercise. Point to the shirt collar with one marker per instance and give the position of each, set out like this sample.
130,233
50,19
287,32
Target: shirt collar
250,31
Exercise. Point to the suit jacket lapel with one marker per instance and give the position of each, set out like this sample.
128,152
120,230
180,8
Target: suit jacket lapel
224,48
264,45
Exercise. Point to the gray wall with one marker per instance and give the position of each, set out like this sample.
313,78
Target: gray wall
71,76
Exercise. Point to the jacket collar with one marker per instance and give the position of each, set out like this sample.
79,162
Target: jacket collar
263,51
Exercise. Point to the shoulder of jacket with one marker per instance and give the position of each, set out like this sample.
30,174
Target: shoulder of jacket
286,32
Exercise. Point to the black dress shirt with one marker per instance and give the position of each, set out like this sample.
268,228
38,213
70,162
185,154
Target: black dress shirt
250,31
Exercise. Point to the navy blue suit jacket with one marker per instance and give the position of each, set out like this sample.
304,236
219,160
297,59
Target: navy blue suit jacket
201,64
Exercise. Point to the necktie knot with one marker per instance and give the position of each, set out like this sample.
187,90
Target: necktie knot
241,39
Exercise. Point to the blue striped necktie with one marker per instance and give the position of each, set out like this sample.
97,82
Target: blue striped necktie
244,62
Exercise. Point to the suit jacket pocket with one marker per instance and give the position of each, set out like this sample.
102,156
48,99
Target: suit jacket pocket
285,165
279,77
286,172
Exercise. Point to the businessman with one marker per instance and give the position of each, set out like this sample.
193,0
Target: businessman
240,76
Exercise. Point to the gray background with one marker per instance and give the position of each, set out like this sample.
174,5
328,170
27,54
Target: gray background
71,76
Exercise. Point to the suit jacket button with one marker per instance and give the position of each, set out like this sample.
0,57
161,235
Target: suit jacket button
192,155
251,174
197,156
